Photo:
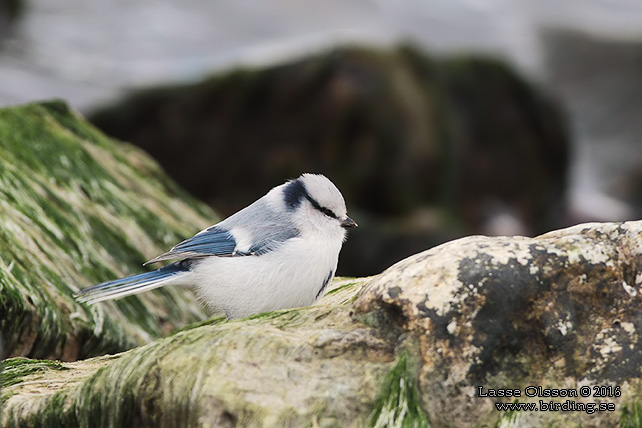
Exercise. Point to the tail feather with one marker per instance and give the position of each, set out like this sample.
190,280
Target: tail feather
132,284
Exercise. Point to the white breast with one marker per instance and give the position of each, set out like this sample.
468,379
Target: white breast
289,277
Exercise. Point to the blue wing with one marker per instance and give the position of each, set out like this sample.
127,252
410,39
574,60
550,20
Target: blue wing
258,223
213,241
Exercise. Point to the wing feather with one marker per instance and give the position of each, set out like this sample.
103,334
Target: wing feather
266,229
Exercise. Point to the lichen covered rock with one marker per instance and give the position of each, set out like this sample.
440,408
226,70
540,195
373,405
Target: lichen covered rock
409,347
560,311
78,208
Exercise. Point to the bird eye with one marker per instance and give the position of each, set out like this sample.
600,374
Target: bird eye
324,210
328,212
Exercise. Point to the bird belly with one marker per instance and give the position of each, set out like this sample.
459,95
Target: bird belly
291,276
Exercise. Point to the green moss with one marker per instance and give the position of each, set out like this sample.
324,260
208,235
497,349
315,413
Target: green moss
217,370
631,416
398,403
77,209
211,321
341,287
13,370
54,414
508,418
271,314
142,390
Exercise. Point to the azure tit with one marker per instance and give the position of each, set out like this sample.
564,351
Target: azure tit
279,252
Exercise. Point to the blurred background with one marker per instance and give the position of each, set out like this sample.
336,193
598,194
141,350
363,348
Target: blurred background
436,119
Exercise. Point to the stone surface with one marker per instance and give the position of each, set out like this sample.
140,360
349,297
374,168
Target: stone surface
558,311
284,369
78,208
408,347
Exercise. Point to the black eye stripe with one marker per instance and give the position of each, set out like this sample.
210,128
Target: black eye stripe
328,212
324,210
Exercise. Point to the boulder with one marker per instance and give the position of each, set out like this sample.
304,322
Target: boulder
78,208
554,319
560,312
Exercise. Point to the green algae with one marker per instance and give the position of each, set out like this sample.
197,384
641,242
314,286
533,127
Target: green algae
399,401
14,369
79,208
236,371
220,319
631,415
509,418
272,314
339,288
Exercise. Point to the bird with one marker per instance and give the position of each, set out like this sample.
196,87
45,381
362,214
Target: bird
280,252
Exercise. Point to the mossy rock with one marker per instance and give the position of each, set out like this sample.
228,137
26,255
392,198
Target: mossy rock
409,347
78,208
284,368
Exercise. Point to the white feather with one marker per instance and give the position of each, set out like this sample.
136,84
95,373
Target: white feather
243,239
288,278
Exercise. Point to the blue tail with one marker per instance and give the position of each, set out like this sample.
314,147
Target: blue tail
132,284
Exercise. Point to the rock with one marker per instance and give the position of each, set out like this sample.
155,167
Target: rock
409,347
285,368
561,311
396,130
78,208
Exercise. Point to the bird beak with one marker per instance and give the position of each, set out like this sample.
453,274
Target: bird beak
348,223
